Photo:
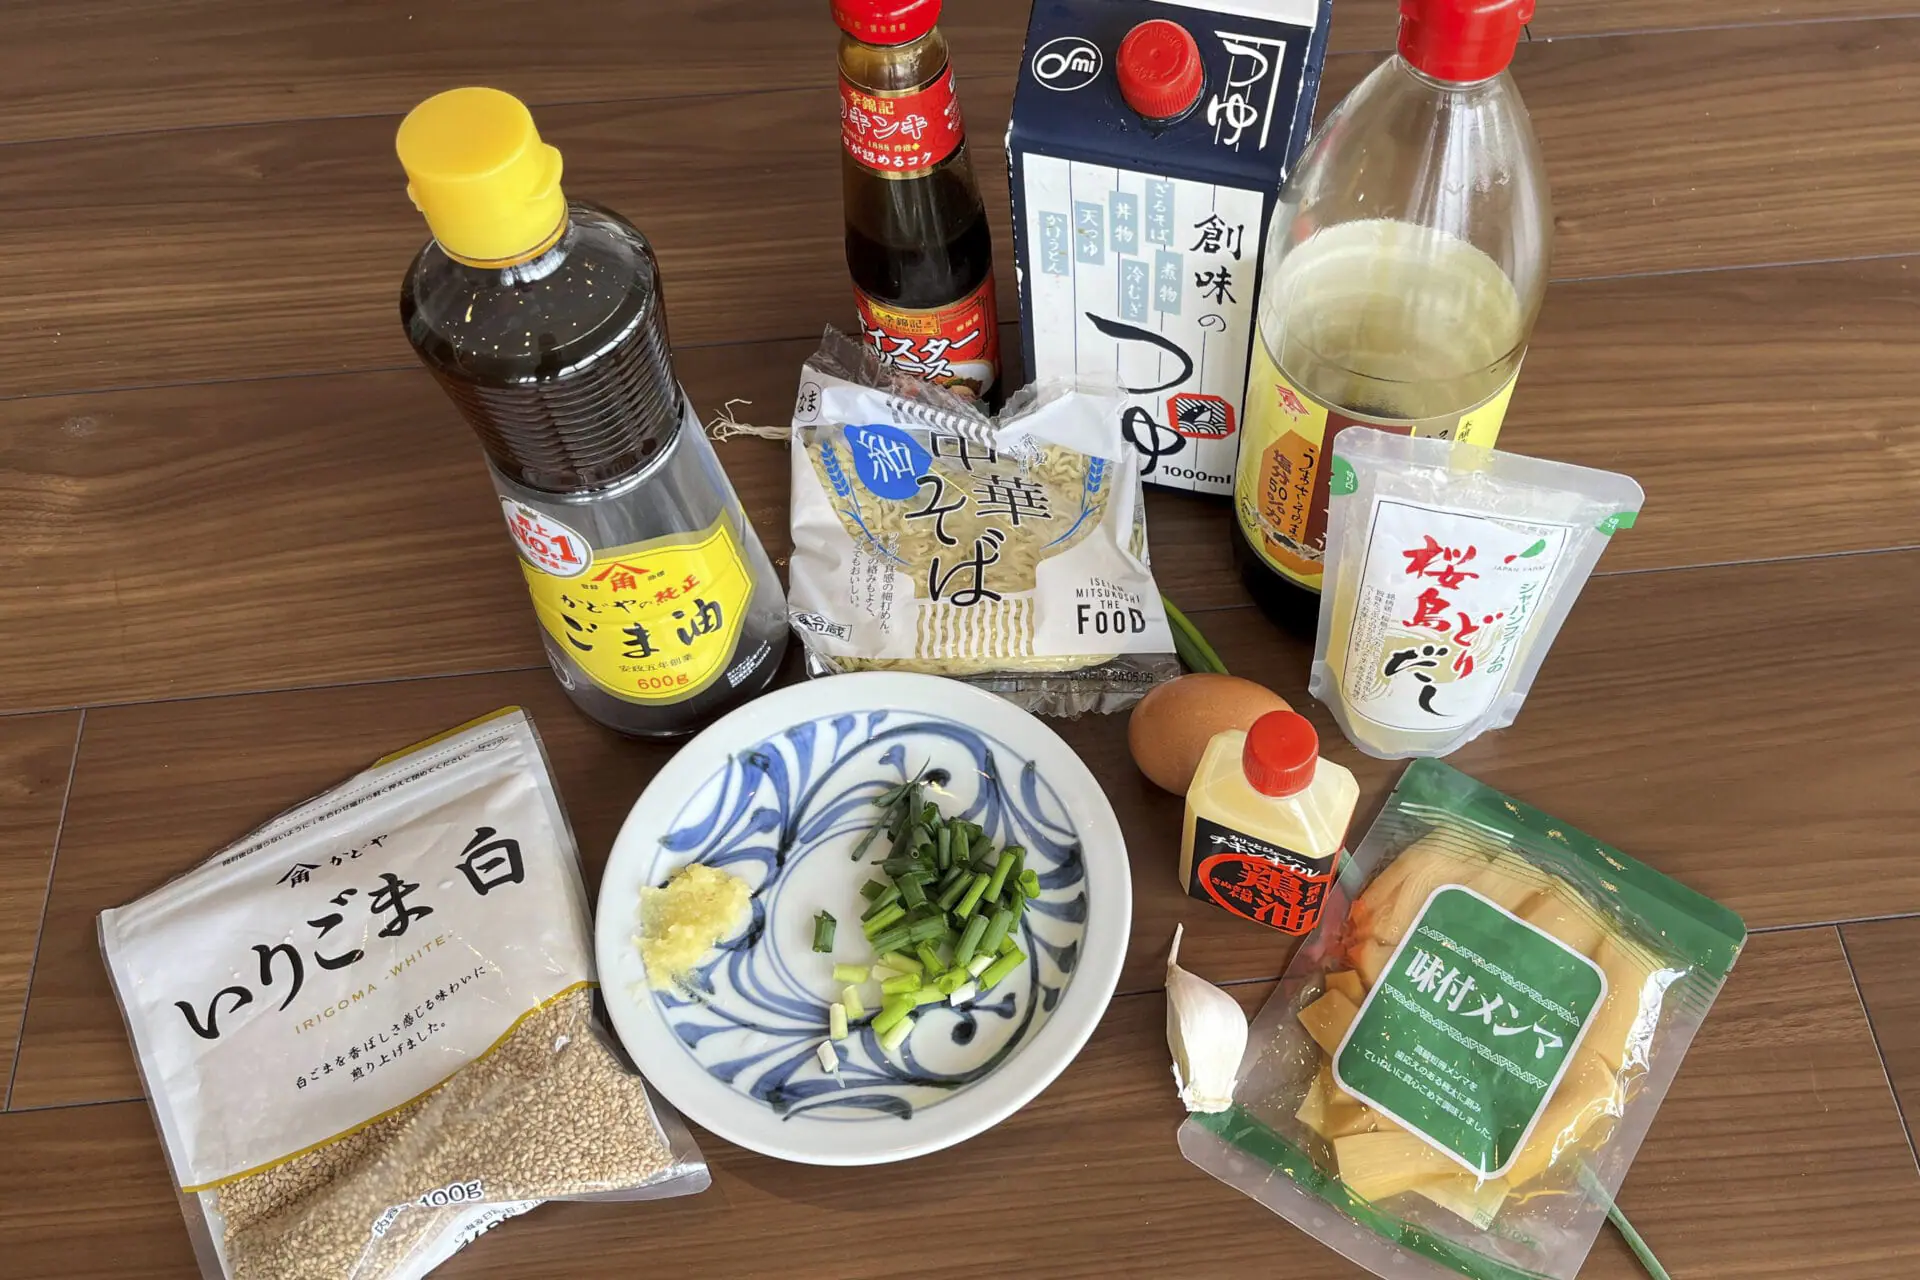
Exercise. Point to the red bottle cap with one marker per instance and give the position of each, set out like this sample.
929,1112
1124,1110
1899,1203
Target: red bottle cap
1280,754
1159,69
1462,40
886,21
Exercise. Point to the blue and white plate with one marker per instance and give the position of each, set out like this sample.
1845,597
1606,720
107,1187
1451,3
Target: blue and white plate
778,793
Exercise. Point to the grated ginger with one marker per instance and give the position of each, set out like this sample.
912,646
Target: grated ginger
681,923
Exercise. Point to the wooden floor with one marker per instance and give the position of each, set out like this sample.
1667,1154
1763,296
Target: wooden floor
246,547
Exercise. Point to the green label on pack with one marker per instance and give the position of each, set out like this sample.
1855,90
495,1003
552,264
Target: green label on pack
1466,1035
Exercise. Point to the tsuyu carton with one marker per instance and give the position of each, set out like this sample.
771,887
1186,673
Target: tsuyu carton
1137,243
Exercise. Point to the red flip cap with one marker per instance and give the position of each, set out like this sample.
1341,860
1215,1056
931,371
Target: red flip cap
1280,753
1159,69
886,21
1462,40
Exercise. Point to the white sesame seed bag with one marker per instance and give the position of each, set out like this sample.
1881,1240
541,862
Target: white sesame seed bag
367,1029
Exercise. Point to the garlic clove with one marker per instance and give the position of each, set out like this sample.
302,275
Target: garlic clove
1207,1032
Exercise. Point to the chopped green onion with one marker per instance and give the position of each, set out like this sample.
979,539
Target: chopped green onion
963,993
881,901
901,962
900,865
1030,882
996,930
912,890
1000,968
856,1007
1001,868
1019,904
860,850
850,973
971,898
951,894
894,1037
900,985
981,846
970,941
927,930
823,930
929,958
943,850
928,995
872,889
893,937
1019,864
1007,945
888,916
891,1014
952,980
976,966
829,1057
837,1021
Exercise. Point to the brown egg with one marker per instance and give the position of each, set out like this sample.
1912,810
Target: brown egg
1172,725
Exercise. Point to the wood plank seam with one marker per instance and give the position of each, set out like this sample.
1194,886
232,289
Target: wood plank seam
1824,924
1758,560
46,897
75,1106
1682,29
281,688
277,122
1900,1110
1785,264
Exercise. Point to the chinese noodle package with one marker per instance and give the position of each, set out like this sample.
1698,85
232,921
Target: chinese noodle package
1459,1065
367,1029
1449,569
1008,552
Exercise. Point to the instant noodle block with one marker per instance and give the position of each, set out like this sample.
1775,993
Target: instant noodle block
1010,552
1456,1067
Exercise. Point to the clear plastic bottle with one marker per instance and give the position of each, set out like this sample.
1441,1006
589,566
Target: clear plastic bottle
1266,821
543,321
1402,274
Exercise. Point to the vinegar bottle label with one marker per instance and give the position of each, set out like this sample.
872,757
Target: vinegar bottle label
903,131
1280,484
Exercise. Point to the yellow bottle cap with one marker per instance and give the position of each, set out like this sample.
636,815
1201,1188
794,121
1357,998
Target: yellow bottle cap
476,167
